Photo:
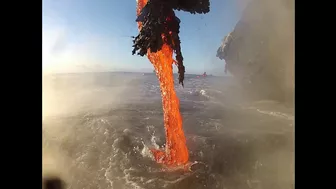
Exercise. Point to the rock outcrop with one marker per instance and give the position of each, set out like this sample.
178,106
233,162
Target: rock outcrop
260,50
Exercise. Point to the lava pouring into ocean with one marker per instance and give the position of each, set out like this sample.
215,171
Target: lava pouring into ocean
158,38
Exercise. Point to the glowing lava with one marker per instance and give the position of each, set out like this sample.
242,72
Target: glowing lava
176,152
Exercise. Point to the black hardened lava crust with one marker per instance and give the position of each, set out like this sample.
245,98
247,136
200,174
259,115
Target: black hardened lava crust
158,18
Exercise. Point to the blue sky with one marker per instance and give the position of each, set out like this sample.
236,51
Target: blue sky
94,35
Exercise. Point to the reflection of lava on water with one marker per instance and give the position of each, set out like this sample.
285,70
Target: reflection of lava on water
158,38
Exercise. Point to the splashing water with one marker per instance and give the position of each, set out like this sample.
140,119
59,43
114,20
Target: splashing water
176,152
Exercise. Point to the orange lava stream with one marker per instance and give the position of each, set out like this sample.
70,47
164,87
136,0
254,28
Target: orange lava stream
176,152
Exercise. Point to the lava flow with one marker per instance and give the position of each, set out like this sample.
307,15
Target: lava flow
176,152
158,39
176,149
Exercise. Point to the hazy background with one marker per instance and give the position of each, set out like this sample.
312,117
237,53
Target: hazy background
88,35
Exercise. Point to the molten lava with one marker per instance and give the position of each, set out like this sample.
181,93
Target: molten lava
158,38
176,152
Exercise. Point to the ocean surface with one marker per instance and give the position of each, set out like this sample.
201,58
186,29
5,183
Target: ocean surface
98,129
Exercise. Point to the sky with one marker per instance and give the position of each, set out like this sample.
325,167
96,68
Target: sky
95,35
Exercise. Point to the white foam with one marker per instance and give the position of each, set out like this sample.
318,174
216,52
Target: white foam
145,152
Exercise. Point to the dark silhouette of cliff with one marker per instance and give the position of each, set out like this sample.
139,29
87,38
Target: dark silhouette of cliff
259,52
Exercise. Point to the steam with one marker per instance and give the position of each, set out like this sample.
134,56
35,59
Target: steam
61,55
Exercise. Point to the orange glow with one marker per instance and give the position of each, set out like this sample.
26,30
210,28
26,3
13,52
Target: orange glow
176,152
